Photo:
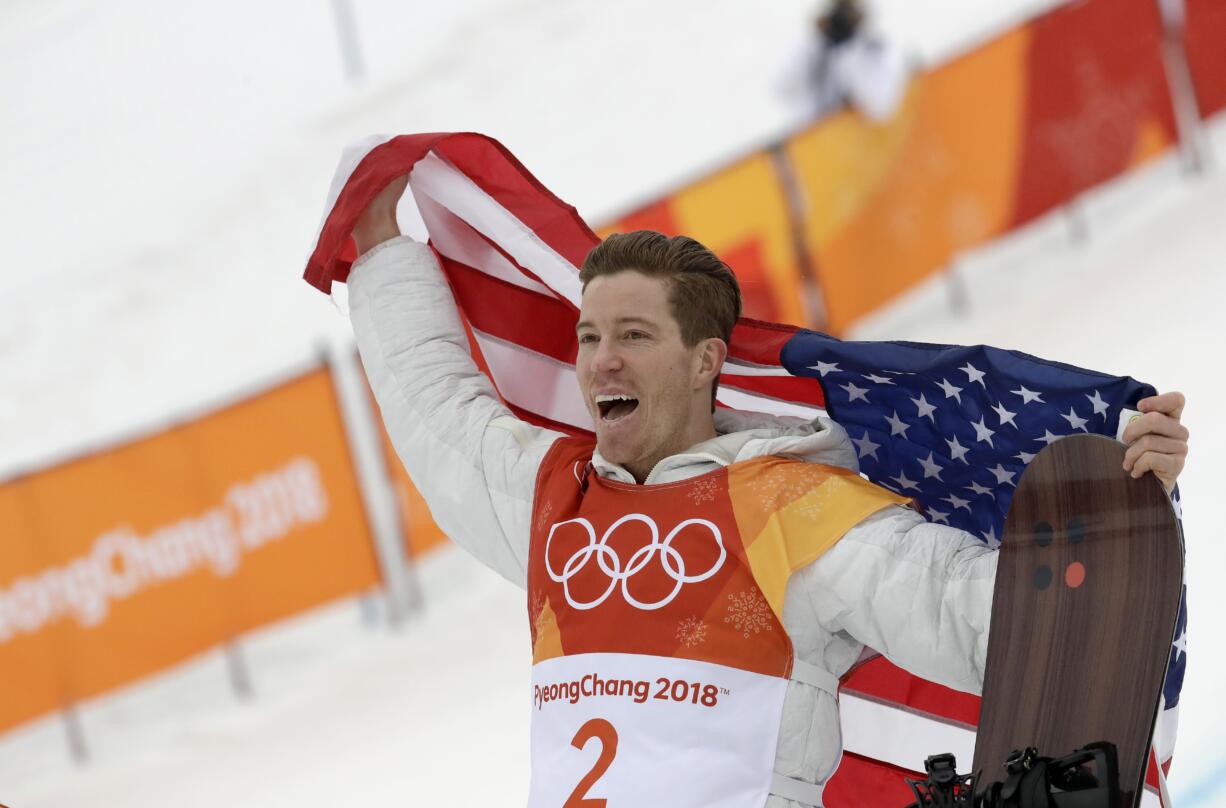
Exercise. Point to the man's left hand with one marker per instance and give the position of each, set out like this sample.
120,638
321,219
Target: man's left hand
1156,441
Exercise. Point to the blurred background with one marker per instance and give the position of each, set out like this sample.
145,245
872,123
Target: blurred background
217,586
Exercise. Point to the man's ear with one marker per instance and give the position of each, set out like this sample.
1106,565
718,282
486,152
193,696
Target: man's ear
711,359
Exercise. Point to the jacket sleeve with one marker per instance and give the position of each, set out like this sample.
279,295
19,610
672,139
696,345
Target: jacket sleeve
473,461
917,592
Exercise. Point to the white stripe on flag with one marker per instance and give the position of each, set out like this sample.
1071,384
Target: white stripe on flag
455,191
455,239
741,400
1164,732
898,736
535,382
733,367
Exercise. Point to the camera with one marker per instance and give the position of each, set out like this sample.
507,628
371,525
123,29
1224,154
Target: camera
1087,778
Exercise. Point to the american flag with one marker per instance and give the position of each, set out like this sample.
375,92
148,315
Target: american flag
952,427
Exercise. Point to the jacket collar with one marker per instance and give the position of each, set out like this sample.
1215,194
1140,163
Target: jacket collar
744,436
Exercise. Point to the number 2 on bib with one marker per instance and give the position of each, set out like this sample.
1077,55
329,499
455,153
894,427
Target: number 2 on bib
604,732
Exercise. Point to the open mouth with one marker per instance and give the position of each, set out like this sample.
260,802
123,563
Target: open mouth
615,407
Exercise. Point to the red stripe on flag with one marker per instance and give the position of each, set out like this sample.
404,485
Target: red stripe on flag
512,313
502,177
507,180
883,680
760,342
862,781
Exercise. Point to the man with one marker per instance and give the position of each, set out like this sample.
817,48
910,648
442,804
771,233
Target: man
697,579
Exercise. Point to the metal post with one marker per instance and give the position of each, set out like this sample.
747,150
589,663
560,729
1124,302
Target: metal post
378,495
368,609
810,286
75,734
347,39
1078,224
240,674
955,284
1192,147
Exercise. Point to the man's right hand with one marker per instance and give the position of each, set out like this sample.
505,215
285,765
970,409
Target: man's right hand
378,222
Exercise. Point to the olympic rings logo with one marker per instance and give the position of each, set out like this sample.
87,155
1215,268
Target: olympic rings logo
610,564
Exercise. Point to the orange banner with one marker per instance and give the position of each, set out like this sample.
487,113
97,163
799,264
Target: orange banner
742,214
888,204
981,145
123,563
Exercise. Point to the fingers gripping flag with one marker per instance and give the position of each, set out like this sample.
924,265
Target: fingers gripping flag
952,427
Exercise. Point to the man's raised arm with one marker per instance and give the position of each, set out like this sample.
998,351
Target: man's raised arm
473,461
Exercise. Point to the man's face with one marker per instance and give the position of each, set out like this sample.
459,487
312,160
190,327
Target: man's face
638,378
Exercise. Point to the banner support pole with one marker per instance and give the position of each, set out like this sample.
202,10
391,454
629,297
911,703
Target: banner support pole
236,667
378,495
74,733
1192,147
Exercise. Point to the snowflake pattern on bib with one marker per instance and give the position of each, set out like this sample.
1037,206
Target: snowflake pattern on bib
749,612
691,632
703,491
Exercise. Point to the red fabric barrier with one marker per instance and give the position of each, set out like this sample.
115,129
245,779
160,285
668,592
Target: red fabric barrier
1205,40
1097,100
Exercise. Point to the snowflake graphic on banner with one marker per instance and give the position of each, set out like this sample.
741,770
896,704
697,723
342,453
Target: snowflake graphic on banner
748,612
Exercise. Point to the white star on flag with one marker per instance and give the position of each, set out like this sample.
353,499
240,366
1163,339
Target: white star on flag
865,447
897,427
979,490
1074,420
904,483
826,367
975,374
1025,457
1003,475
951,391
957,451
938,516
931,467
1028,395
1004,415
1048,438
982,433
854,392
875,379
957,502
926,410
1096,401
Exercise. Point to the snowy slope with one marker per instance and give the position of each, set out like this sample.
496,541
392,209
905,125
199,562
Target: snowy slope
166,166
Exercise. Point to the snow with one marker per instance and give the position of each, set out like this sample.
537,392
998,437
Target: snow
165,169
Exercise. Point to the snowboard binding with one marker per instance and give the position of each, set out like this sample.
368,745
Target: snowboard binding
1087,778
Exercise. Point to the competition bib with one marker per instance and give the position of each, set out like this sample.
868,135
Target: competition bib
660,659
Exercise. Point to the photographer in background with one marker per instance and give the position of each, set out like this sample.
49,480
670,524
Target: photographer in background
841,62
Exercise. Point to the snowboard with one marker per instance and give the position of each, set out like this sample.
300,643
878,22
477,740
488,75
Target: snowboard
1083,616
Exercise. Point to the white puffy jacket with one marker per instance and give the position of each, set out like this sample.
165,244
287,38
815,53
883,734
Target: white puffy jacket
919,593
